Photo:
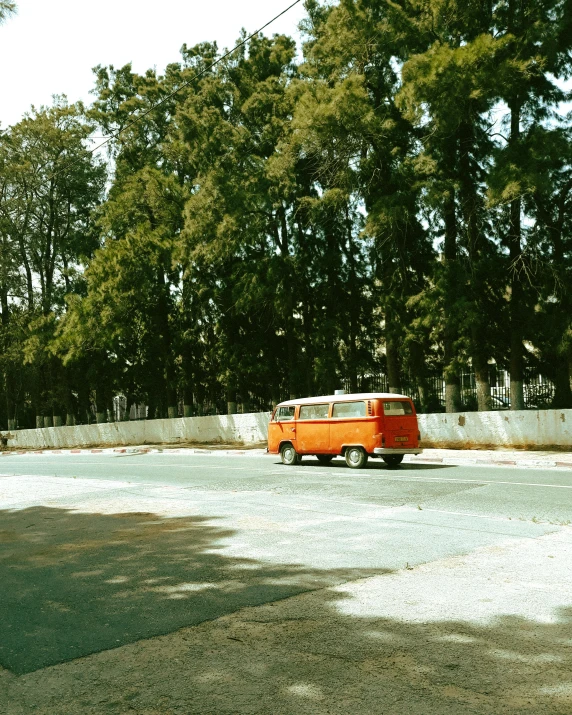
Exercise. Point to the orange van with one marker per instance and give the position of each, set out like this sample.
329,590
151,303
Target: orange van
357,427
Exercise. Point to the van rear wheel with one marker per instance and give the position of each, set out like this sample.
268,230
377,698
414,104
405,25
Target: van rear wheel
356,457
393,460
289,455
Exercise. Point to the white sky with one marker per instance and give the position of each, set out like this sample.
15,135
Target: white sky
50,47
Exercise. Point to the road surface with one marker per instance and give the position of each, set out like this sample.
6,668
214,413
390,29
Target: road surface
100,553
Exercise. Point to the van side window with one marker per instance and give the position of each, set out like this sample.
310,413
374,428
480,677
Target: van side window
397,409
314,412
349,409
283,414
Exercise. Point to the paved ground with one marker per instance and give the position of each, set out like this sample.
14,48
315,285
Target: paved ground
170,582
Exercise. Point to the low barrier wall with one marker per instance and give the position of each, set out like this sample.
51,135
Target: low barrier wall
526,429
248,429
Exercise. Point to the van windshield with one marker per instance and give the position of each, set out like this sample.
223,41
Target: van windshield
283,414
397,408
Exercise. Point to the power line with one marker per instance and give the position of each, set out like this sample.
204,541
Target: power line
139,117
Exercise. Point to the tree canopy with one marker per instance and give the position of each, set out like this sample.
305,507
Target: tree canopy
390,209
7,9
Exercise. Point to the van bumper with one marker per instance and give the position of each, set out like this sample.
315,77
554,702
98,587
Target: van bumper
383,450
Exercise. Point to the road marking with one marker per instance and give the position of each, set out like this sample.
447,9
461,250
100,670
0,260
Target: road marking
477,516
485,481
306,472
439,479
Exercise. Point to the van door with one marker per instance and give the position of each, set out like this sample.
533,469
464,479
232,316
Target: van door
313,429
352,424
400,429
285,422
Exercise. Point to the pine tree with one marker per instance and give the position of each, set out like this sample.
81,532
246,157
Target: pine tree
7,9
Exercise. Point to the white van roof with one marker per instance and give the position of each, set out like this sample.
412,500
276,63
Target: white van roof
344,398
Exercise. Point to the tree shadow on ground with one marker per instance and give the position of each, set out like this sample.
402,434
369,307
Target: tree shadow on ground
316,660
76,583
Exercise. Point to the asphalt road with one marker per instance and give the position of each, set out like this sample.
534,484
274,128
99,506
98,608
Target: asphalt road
101,550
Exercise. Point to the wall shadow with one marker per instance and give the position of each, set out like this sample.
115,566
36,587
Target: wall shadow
76,583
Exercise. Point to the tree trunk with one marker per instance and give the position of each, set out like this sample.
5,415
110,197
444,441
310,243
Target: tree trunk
516,348
69,407
452,379
231,401
517,292
453,401
10,401
419,373
482,379
151,406
563,392
353,307
110,408
393,364
37,404
170,376
292,364
187,391
307,336
83,403
472,208
245,403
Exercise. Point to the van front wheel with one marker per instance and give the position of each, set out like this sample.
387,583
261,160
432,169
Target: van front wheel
356,457
289,455
393,460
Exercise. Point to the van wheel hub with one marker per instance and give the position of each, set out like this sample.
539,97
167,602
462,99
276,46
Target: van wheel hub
356,458
289,455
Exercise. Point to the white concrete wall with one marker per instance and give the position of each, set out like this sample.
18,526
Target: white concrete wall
532,429
248,429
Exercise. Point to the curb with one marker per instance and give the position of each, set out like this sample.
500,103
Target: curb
136,450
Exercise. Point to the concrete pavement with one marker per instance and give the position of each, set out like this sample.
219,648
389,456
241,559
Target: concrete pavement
178,582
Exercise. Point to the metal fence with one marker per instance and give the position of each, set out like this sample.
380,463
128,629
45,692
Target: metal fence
538,390
538,394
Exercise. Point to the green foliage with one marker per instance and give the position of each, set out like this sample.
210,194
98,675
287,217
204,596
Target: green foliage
49,187
7,9
399,200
